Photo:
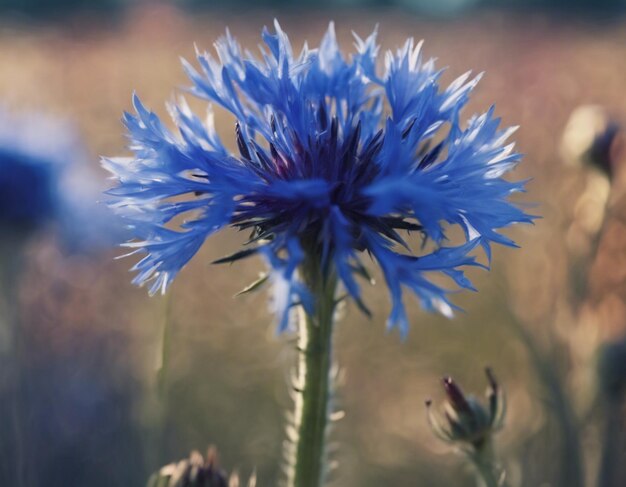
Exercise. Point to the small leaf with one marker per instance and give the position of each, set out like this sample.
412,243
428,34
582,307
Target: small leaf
253,286
242,254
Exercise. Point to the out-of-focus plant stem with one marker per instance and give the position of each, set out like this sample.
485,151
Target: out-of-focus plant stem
582,269
164,352
11,361
570,463
158,400
612,439
313,381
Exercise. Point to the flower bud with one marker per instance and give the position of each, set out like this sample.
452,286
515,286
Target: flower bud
466,420
592,137
195,471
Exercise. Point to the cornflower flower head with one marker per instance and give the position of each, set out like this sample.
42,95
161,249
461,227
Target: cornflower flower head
335,159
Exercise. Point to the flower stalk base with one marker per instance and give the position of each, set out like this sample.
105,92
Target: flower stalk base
488,472
313,381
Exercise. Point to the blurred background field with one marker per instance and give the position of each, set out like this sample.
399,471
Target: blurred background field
97,411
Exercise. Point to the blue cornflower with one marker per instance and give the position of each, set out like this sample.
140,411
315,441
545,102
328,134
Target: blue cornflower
44,181
335,159
29,168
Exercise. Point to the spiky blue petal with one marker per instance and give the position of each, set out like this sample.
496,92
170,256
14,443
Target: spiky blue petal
333,157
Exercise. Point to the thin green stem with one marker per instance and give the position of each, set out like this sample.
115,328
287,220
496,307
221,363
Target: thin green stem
157,403
489,472
488,476
313,382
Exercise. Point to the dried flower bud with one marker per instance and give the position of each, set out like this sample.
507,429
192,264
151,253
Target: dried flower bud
592,137
195,471
464,419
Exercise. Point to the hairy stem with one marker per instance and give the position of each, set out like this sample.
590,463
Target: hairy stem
313,381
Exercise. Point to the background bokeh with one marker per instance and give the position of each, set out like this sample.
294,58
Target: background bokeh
107,400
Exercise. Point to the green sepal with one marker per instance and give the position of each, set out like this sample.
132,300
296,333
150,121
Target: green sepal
255,285
242,254
362,271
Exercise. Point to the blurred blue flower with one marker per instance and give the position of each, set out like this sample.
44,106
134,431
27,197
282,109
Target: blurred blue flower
334,158
44,180
29,170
